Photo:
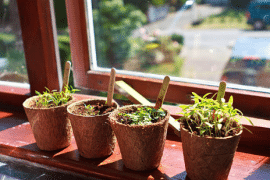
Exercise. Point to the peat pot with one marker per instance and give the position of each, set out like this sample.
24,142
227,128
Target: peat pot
141,146
208,157
93,134
50,126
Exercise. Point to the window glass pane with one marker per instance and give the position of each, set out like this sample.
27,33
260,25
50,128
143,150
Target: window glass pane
12,60
202,41
63,35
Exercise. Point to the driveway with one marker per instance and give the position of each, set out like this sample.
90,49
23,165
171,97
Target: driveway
200,62
206,52
176,21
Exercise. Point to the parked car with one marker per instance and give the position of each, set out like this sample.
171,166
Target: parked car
189,4
258,14
249,63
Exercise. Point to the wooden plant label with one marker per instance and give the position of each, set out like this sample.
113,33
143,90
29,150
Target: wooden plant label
66,75
162,92
126,90
221,91
111,87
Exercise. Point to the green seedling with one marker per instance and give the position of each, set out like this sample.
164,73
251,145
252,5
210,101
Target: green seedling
209,117
144,115
90,110
53,98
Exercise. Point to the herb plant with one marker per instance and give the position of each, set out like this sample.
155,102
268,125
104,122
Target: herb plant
90,110
209,117
142,116
54,98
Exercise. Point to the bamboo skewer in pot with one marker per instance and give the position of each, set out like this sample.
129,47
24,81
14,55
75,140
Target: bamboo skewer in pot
221,91
162,92
66,75
111,88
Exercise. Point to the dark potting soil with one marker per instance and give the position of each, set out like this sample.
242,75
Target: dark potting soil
128,121
93,109
196,131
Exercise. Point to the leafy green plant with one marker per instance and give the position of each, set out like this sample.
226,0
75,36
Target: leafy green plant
53,98
91,110
157,50
142,116
178,38
114,22
209,117
158,2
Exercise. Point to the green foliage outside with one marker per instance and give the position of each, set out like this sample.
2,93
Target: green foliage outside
157,54
113,24
16,60
15,57
140,4
158,2
4,11
60,14
65,54
6,43
239,5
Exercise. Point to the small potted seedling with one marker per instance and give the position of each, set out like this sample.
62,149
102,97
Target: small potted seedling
89,119
47,114
210,132
141,132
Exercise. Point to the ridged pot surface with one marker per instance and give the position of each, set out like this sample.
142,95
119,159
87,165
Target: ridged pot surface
208,157
141,146
93,134
50,126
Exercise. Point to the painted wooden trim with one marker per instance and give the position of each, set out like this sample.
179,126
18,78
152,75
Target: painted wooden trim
13,96
78,41
250,103
40,44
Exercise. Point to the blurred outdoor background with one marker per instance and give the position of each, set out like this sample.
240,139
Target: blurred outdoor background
187,39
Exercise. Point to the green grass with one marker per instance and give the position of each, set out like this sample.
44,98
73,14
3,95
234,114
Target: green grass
228,19
8,38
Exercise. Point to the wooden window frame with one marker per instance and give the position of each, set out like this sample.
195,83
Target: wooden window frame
41,51
250,103
42,59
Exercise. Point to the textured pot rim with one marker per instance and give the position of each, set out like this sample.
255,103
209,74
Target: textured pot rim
55,107
113,114
209,137
87,100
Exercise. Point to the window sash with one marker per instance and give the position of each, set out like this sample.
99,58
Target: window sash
41,51
250,103
40,44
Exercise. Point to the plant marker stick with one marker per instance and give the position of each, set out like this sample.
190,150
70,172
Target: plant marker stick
111,88
162,92
66,75
221,91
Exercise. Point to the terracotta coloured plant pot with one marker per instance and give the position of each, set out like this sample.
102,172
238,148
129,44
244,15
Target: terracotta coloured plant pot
207,157
141,146
93,134
50,126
